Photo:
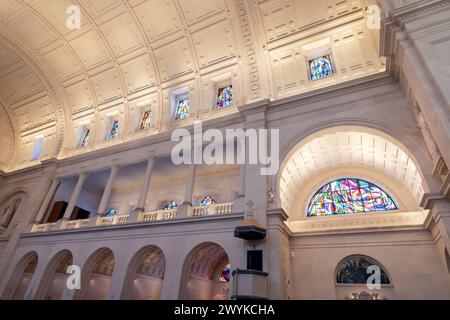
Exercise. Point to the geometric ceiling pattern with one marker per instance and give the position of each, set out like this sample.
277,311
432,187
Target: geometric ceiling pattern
133,53
344,148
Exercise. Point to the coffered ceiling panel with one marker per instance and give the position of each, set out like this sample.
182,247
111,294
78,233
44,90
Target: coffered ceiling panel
63,62
159,18
80,96
91,49
138,73
107,86
198,10
20,84
175,59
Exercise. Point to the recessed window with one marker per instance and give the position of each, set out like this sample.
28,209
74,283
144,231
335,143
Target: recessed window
170,205
111,213
114,132
182,107
349,195
354,270
224,97
225,274
37,148
321,67
146,121
85,138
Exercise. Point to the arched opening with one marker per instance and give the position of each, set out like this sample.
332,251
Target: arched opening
349,152
359,277
55,277
96,277
206,274
9,209
22,276
146,275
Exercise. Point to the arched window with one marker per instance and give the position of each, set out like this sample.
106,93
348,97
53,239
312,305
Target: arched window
354,270
349,195
8,211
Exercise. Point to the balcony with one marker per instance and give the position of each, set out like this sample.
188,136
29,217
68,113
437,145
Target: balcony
159,215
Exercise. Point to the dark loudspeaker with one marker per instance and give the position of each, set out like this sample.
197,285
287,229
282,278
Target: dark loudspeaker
255,260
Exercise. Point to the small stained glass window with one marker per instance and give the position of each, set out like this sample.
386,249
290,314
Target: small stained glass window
225,275
224,97
111,213
349,195
182,107
171,205
146,120
85,139
114,132
321,67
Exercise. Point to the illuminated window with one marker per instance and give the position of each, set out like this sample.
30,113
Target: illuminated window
111,213
182,107
224,97
206,202
171,205
37,148
113,133
353,269
349,195
321,67
85,138
146,120
225,275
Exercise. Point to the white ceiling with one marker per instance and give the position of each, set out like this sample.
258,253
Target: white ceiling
128,52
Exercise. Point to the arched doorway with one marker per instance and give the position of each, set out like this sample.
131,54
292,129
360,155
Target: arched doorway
55,277
146,275
206,273
96,276
22,276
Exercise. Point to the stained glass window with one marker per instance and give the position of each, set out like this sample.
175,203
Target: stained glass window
182,107
171,205
349,195
224,97
321,67
114,131
146,120
208,200
111,213
85,139
225,275
353,269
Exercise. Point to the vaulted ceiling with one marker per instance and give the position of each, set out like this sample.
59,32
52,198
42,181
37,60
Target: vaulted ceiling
129,53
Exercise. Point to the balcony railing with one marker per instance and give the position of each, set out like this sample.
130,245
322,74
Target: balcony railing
166,214
217,208
159,215
75,224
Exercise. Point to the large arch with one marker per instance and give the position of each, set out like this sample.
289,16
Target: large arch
21,277
347,147
145,275
54,279
201,273
96,275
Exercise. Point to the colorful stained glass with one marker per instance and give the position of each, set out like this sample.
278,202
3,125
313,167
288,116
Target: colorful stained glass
171,205
146,120
349,195
225,275
353,269
224,97
113,133
321,67
111,213
182,108
85,139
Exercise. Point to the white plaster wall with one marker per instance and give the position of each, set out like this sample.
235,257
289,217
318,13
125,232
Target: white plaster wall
410,257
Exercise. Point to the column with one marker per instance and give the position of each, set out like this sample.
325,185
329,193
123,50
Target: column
190,184
185,209
107,192
145,188
48,198
75,195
